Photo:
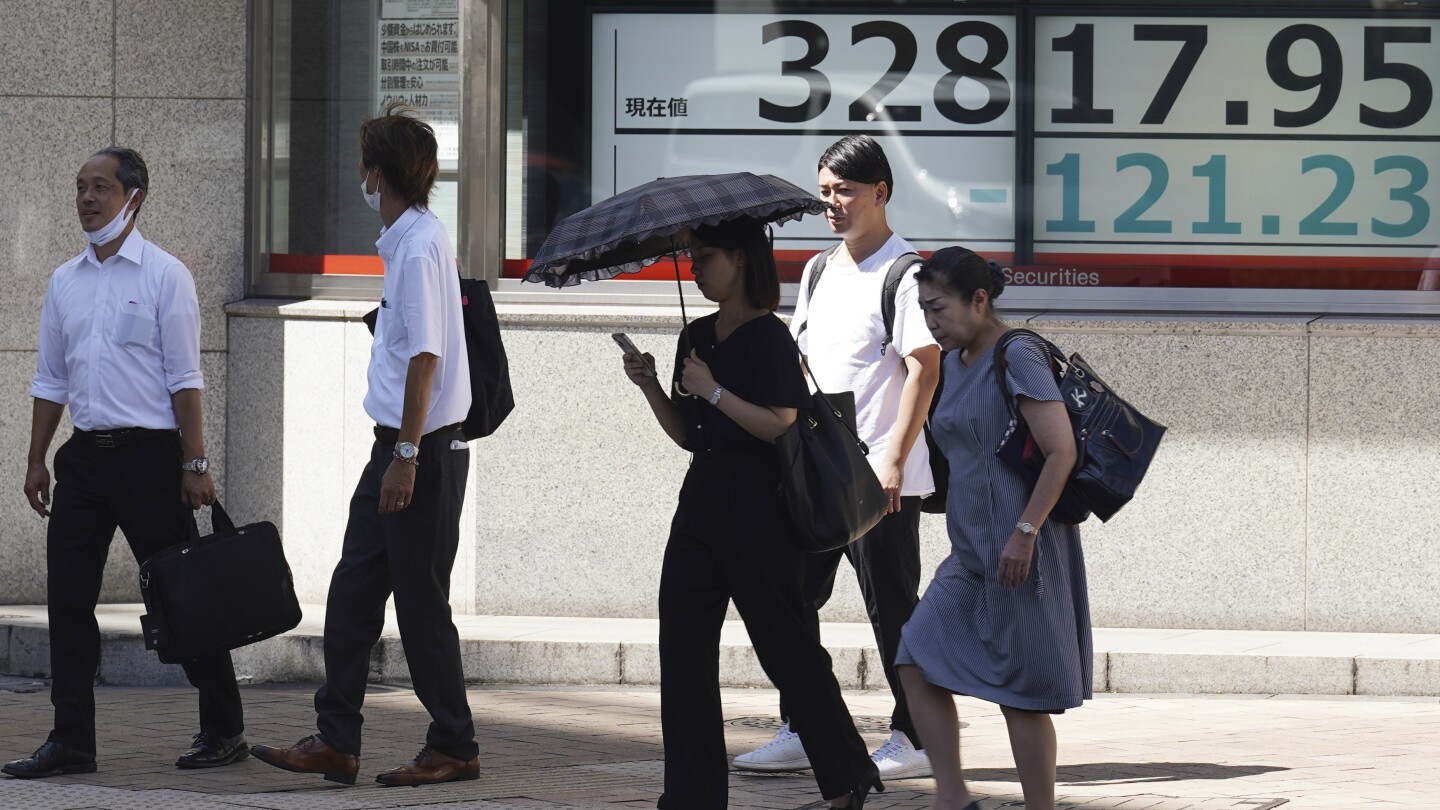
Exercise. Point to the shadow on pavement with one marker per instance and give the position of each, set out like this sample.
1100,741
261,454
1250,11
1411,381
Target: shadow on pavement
1120,773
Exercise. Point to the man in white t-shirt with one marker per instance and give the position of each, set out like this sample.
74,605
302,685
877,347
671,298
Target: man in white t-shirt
842,331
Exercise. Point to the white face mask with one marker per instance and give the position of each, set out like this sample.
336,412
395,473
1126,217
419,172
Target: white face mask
373,200
110,232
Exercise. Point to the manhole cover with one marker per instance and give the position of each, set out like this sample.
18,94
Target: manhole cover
864,723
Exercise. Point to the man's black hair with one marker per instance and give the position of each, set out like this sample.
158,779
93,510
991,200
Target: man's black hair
130,170
860,159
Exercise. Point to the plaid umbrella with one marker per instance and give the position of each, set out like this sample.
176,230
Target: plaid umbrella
636,227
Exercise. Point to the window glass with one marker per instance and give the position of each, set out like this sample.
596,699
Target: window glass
331,65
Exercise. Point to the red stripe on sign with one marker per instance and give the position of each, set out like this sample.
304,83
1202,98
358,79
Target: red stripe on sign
1234,272
790,264
1230,260
326,264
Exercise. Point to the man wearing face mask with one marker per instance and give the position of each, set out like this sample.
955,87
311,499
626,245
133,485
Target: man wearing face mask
404,527
120,346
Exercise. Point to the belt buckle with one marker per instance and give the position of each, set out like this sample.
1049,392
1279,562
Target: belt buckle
104,440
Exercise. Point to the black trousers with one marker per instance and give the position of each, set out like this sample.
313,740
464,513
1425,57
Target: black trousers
409,553
887,563
730,539
137,488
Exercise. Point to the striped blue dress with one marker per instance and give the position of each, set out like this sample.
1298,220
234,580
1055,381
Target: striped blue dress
1029,647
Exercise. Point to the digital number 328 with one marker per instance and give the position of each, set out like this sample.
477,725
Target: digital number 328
870,105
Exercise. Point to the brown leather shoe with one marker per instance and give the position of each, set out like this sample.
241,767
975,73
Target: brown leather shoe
311,755
430,767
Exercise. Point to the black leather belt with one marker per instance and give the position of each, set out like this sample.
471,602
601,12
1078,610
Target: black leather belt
392,435
121,437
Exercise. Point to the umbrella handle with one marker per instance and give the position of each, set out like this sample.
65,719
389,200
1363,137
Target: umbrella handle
685,319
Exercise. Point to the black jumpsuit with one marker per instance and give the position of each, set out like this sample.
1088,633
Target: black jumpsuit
731,539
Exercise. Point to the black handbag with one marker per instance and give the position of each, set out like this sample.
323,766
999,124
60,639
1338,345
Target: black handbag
217,592
1115,443
832,494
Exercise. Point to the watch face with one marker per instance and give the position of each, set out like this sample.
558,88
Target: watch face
407,450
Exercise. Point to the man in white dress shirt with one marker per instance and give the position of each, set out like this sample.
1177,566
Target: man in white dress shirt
842,331
119,345
404,527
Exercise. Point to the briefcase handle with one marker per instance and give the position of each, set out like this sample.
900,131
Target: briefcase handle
220,522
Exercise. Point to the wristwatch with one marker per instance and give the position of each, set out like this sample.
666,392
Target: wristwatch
1027,528
715,397
407,452
198,465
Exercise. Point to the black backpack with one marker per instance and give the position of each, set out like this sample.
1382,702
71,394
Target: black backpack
888,291
491,398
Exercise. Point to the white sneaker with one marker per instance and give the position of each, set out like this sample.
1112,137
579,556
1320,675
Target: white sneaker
898,759
783,753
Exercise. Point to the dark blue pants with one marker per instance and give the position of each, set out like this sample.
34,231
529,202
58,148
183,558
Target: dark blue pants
137,488
731,539
409,553
887,565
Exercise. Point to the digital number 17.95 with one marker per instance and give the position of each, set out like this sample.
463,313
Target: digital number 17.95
1378,63
1318,222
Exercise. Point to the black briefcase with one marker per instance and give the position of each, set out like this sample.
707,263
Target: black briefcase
218,592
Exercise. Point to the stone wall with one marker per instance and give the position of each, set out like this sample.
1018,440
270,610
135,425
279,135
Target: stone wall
1293,490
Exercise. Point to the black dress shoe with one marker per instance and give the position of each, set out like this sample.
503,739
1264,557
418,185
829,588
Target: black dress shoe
212,751
51,759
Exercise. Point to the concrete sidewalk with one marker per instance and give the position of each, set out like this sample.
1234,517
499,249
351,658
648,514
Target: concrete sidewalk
582,651
595,747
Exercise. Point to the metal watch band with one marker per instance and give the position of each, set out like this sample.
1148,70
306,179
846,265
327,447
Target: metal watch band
715,397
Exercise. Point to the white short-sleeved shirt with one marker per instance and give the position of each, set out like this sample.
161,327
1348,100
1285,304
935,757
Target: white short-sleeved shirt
842,347
118,338
419,313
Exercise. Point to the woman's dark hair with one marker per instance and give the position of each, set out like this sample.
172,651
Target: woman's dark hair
962,271
130,170
747,235
859,158
403,149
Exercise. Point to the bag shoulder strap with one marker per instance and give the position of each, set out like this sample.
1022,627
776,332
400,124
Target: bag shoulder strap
890,292
815,272
820,394
1057,359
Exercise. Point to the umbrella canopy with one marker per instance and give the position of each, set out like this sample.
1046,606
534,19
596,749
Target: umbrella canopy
636,227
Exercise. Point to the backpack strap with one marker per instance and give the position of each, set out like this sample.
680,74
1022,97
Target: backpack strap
891,291
815,272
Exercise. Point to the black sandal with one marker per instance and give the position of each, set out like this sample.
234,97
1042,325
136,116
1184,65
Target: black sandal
858,794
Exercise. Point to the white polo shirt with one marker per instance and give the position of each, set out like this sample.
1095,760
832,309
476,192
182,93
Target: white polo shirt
842,348
119,337
419,313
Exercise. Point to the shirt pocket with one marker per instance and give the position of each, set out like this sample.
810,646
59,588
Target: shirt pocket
135,325
389,326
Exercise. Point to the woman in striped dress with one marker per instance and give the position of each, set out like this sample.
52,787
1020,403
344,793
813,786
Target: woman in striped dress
1007,617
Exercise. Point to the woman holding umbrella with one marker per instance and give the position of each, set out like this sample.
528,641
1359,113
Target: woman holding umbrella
737,386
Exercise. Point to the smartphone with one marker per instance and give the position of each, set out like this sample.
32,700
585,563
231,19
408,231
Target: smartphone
629,347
